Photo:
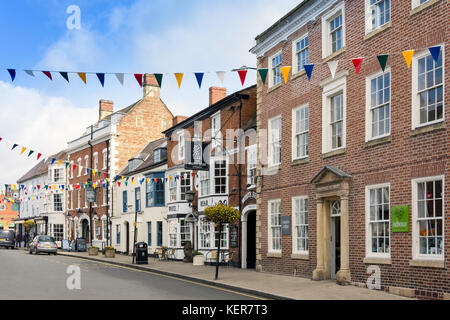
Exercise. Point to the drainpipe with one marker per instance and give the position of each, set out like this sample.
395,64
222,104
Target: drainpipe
107,198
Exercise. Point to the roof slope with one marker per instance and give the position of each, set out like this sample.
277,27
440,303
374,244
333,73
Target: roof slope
42,166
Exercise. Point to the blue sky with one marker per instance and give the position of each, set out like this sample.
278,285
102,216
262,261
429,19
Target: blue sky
115,36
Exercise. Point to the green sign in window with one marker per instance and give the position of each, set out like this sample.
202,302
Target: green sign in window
400,219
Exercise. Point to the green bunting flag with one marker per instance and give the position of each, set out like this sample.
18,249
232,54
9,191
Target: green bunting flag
159,77
263,75
382,59
30,153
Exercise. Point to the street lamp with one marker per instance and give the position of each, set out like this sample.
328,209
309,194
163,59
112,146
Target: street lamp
190,197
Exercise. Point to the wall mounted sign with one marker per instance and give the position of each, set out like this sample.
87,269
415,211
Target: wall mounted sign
285,225
400,219
91,195
197,156
233,236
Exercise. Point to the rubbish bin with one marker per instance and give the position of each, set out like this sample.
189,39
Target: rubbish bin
141,253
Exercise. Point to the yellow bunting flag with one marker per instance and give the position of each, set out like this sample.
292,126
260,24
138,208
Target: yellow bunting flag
93,172
408,55
179,77
285,72
82,76
148,180
170,178
59,162
23,150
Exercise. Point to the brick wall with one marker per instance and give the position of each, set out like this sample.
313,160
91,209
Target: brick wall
398,161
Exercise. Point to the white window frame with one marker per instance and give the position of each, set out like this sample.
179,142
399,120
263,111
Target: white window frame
269,227
271,73
181,146
326,32
61,196
415,116
79,198
252,163
210,231
329,90
205,179
296,223
369,253
95,160
105,159
173,190
216,132
369,15
295,133
105,196
86,162
295,58
213,178
270,142
415,228
369,113
80,167
416,3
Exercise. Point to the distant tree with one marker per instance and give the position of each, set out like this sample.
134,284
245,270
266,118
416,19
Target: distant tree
221,214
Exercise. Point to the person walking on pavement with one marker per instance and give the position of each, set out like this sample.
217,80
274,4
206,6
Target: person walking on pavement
18,240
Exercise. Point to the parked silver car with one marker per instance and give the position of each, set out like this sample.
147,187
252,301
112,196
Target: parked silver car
45,244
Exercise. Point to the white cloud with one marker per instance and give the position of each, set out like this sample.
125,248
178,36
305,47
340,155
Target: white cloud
41,123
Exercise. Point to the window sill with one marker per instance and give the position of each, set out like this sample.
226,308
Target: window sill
299,161
377,260
378,141
439,264
423,6
274,87
377,31
298,74
300,256
427,128
333,153
333,55
273,254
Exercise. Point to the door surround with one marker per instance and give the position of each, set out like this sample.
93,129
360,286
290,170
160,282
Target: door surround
244,219
331,184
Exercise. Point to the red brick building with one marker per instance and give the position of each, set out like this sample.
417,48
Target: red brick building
350,158
217,126
114,138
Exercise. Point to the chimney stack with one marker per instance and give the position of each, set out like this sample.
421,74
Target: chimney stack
106,108
177,119
216,94
150,86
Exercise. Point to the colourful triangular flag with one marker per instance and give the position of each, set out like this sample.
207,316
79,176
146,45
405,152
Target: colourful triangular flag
59,162
382,59
39,155
435,51
53,160
285,72
408,55
12,73
221,76
29,72
119,77
30,153
14,146
263,74
159,78
308,69
23,150
101,78
82,76
242,75
199,77
48,74
138,77
357,62
332,65
179,77
64,75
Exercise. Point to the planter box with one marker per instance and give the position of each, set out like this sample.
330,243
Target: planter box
199,260
110,253
93,251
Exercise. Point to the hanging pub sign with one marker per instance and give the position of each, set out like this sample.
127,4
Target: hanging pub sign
197,156
91,195
400,219
233,236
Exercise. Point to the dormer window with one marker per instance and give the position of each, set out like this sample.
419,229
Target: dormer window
159,154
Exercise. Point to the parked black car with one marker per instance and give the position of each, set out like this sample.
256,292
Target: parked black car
7,238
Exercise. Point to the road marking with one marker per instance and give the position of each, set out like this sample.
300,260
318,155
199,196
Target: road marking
179,279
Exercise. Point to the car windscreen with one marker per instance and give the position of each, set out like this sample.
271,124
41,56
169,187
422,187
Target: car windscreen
46,239
6,234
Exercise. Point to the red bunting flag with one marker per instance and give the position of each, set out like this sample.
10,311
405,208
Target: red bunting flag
242,75
48,74
138,77
39,155
74,166
118,183
357,63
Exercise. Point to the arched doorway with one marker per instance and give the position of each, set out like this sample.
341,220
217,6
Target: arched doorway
85,229
127,238
248,244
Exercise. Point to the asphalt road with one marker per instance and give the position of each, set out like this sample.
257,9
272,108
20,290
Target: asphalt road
24,276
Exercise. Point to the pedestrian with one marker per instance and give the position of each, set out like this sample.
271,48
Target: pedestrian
18,240
25,239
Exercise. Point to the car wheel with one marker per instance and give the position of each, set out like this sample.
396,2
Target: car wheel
30,252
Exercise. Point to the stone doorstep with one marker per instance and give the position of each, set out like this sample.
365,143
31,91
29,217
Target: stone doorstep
184,277
405,292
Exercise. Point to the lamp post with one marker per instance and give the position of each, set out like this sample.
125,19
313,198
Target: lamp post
190,198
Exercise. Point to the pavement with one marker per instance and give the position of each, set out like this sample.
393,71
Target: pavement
270,286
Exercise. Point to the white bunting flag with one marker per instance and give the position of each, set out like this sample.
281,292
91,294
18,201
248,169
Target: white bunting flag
333,67
29,72
119,77
221,76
